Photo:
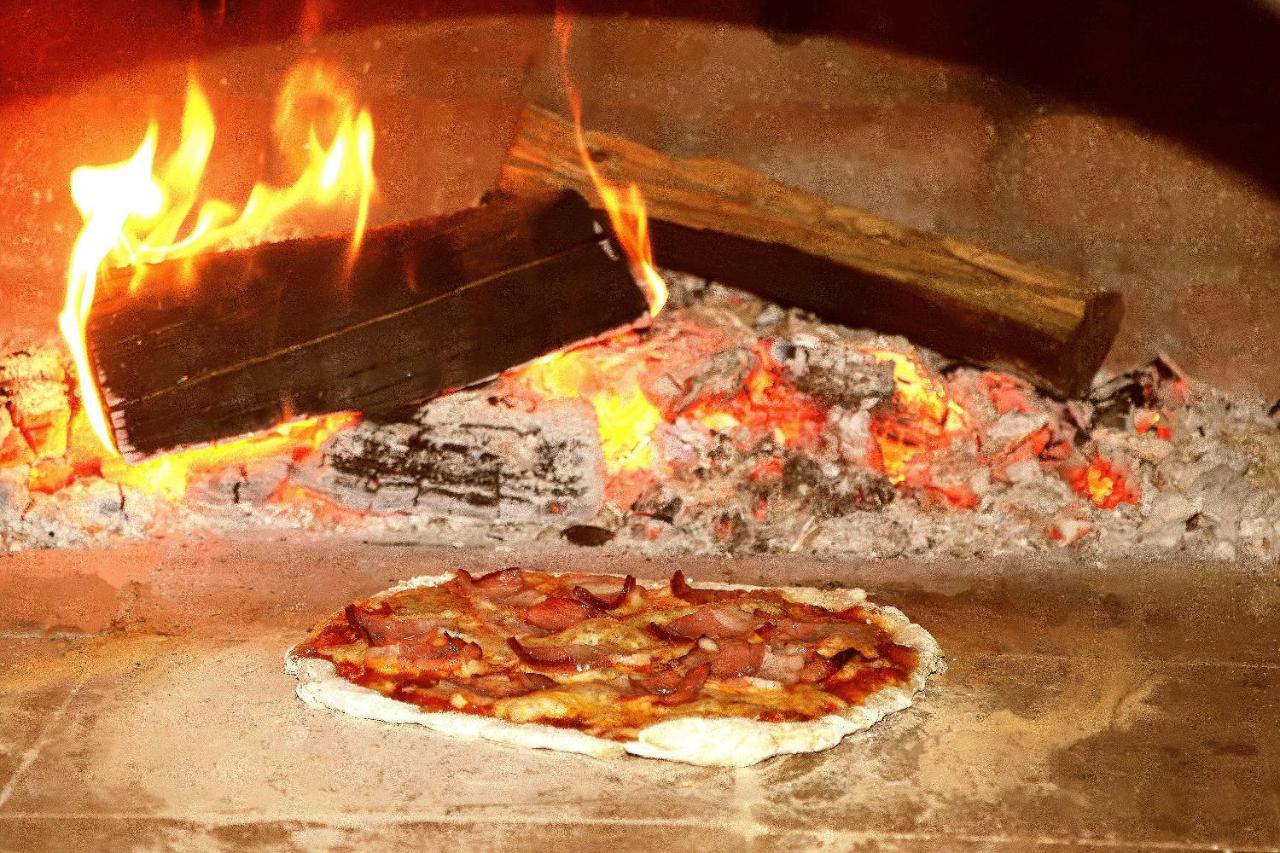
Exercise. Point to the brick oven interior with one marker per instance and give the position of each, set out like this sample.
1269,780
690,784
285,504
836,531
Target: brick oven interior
1100,568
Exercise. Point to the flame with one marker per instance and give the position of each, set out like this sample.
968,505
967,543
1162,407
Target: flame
608,374
922,417
137,212
169,475
608,377
611,377
626,208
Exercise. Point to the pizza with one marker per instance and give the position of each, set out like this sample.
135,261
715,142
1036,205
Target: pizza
713,674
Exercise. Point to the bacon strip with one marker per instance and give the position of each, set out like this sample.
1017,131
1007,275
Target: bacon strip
556,614
781,664
437,653
674,684
680,589
494,585
352,615
662,682
736,659
586,596
689,685
504,685
573,658
718,621
501,583
653,629
379,629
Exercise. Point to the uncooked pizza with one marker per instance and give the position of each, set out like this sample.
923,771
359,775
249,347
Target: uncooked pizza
709,674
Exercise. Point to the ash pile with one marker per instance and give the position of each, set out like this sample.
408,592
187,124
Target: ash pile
731,425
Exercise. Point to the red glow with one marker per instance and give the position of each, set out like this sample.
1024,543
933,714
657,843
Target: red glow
921,419
767,404
1103,482
1148,420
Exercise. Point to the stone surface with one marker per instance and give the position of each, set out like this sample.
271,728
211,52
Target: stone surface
1124,706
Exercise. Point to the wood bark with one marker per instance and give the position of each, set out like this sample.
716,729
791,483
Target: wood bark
227,343
734,225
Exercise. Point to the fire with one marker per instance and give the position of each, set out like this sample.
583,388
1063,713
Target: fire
766,403
168,475
1103,482
612,377
626,208
608,377
1152,420
923,416
138,212
604,375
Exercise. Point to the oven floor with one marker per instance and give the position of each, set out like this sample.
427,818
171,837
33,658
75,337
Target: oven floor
1112,706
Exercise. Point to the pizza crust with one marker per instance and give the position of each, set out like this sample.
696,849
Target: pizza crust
713,742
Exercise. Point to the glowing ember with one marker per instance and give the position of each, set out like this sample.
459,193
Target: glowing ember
612,377
608,377
767,404
1007,393
1151,420
922,417
168,475
1103,482
137,213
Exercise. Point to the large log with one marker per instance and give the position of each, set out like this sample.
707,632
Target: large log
725,222
233,342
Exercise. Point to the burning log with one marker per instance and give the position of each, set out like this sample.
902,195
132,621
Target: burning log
229,343
728,223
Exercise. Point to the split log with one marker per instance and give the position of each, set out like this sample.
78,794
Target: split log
228,343
733,225
464,455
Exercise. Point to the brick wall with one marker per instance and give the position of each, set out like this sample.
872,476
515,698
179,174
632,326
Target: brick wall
940,145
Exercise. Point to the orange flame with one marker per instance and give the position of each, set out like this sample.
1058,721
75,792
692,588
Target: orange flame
136,213
609,379
169,474
626,209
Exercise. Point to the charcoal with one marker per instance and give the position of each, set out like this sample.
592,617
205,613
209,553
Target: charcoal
1142,387
658,501
463,455
587,535
833,369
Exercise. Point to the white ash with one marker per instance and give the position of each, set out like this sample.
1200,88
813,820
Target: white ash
468,455
1210,488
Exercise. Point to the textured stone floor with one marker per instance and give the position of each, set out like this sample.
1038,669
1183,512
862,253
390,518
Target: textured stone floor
142,706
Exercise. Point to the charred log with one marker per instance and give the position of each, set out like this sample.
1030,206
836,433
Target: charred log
466,456
228,343
728,223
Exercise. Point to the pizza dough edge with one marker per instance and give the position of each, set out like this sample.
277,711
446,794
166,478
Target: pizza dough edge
706,741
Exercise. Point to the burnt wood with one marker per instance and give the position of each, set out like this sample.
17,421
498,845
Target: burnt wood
728,223
467,455
228,343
